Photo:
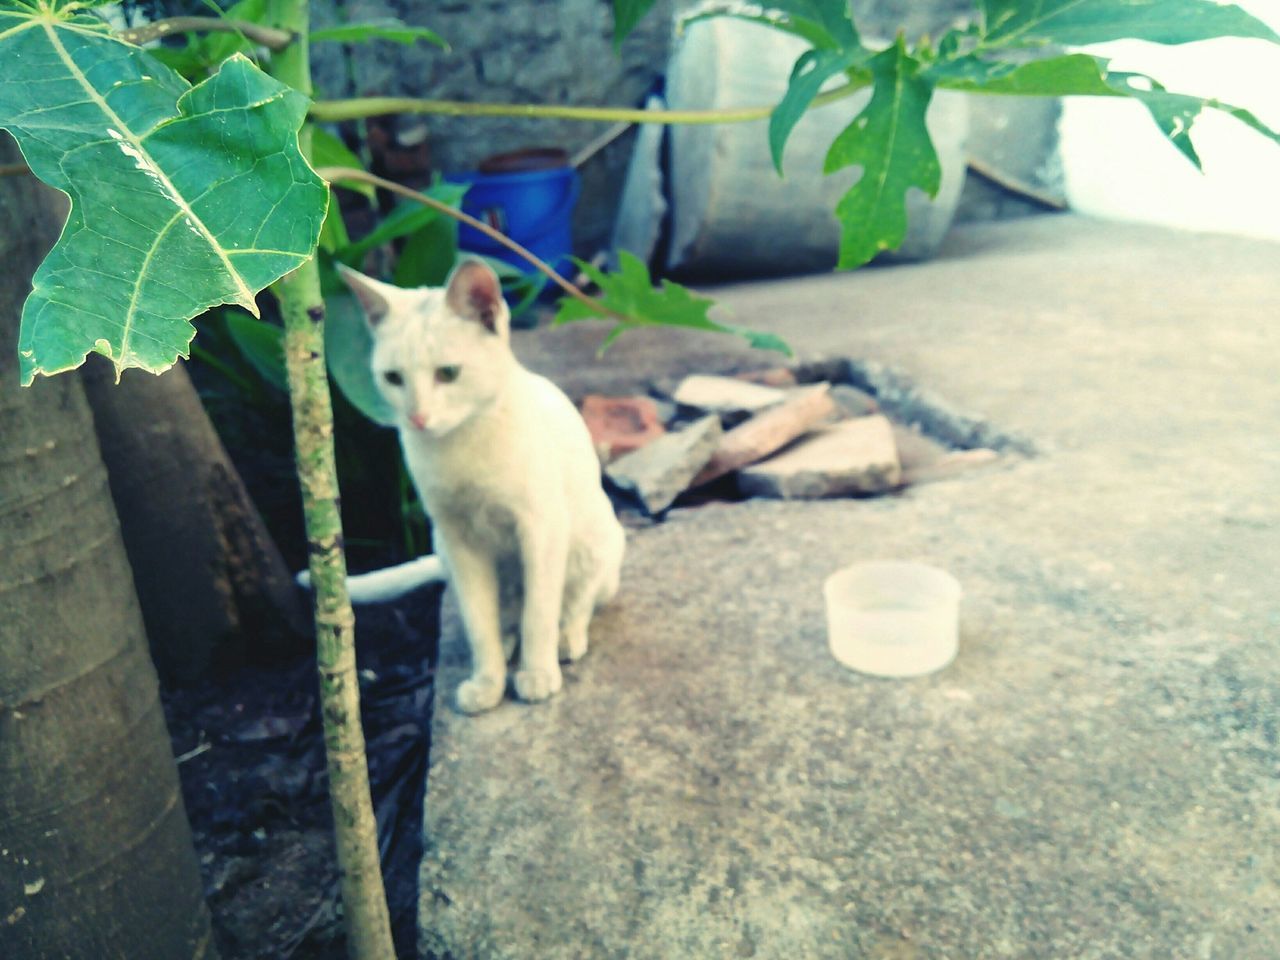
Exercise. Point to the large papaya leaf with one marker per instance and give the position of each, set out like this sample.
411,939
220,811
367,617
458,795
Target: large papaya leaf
889,140
1078,22
181,197
1176,113
630,298
1080,74
1068,75
836,49
813,69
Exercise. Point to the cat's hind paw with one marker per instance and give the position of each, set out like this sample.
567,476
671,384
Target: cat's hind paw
479,694
534,685
573,645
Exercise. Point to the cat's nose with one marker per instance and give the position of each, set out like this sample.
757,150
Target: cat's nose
419,421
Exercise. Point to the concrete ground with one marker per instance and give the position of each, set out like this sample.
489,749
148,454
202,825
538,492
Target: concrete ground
1096,775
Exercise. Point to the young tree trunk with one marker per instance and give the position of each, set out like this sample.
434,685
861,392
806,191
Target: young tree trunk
364,898
95,852
225,587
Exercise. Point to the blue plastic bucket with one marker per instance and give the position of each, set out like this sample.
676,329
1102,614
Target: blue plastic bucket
534,208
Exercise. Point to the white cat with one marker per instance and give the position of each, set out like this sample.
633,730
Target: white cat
506,470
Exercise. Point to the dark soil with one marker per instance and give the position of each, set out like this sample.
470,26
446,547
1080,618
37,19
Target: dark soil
251,758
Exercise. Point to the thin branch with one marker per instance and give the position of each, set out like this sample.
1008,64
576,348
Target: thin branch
599,143
269,37
349,174
14,169
334,110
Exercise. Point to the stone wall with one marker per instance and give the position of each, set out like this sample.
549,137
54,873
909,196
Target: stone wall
524,51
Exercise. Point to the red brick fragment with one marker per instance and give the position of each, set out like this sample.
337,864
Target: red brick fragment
619,425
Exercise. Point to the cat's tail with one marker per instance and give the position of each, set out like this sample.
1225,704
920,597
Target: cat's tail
389,583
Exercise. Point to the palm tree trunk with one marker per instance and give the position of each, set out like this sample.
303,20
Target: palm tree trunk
226,595
95,851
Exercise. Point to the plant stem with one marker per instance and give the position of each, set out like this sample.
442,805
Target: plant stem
334,110
269,37
364,900
337,174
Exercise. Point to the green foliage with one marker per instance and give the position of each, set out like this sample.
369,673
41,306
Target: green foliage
626,14
888,140
810,73
1080,22
397,31
347,345
428,254
201,54
182,197
630,298
328,151
1079,73
261,344
207,184
406,219
1175,113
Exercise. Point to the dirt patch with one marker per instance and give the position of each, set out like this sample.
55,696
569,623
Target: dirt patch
251,759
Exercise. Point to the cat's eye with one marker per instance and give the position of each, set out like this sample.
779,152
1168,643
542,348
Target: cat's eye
393,377
448,373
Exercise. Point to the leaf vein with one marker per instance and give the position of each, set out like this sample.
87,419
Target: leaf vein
100,102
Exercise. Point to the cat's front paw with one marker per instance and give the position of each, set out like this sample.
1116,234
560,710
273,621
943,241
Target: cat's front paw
537,684
480,693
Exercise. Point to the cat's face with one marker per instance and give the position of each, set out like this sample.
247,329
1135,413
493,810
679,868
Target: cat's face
440,355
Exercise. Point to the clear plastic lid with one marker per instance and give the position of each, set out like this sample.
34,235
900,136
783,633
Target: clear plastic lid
893,618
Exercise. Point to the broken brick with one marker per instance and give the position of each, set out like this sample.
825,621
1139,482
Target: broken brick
768,432
619,425
848,457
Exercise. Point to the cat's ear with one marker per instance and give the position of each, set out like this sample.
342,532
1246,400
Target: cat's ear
475,293
374,295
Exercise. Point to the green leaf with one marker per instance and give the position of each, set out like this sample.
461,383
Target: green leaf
328,151
1176,113
824,24
348,345
407,218
525,289
333,232
1085,75
626,14
1073,74
389,28
836,48
181,198
428,255
203,52
262,344
630,298
1079,22
813,69
890,142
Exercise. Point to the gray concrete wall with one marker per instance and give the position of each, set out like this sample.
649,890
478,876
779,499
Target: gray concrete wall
526,51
